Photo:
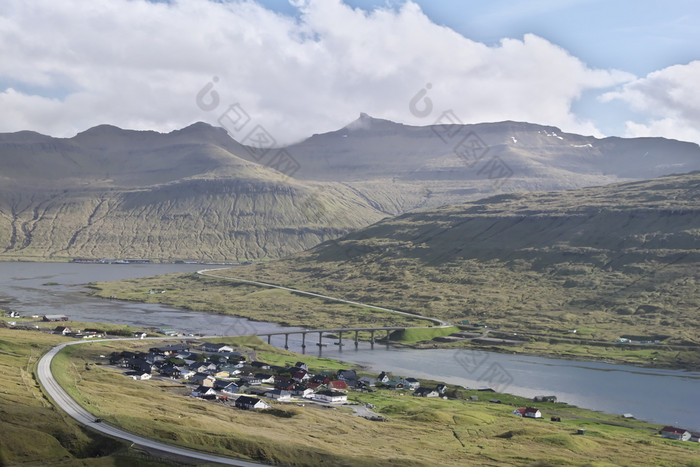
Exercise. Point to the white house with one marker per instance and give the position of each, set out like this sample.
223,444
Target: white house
680,434
280,395
217,348
529,412
248,403
141,376
411,383
331,397
140,335
426,392
202,391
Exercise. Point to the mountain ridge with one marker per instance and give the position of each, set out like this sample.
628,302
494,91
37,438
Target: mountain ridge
87,185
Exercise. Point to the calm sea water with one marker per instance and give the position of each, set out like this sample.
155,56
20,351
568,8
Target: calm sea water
661,396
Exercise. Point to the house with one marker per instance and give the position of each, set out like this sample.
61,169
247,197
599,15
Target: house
170,349
63,330
349,376
51,318
171,371
199,367
186,373
395,383
679,434
286,384
426,392
695,436
301,366
302,391
367,382
474,398
301,375
248,403
203,391
221,374
140,335
337,385
529,412
218,348
203,379
545,398
251,380
226,386
441,388
320,379
411,383
122,359
331,397
260,365
280,395
138,375
383,377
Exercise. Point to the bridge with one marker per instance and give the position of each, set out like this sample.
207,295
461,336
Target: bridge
338,331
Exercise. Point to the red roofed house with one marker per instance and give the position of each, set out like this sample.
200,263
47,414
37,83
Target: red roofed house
671,432
338,385
529,412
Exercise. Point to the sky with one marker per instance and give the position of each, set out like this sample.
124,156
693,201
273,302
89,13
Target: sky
294,68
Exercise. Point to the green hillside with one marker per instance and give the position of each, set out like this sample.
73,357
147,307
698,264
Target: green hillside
115,193
612,261
609,262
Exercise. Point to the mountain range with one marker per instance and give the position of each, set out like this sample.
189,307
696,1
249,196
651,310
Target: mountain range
196,193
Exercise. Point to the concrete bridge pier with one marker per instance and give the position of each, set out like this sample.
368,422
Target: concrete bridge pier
356,343
269,338
371,337
286,341
340,341
320,340
303,340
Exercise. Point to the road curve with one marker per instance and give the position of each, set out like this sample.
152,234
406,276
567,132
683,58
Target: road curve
207,272
63,400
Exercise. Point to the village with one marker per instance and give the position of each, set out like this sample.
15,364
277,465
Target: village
219,373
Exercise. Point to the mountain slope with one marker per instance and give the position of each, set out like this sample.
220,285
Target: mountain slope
114,193
196,193
617,260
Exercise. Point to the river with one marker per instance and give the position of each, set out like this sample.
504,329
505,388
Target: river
656,395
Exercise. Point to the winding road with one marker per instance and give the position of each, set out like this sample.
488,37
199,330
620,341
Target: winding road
63,400
207,272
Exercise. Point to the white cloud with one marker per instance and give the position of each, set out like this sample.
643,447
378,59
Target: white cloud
671,100
136,64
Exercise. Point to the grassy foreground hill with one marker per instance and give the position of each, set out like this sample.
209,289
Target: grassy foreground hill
36,433
417,431
610,262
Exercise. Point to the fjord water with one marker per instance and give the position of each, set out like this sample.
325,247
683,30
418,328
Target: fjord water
657,395
23,289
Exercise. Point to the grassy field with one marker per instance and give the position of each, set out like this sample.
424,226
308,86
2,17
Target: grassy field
417,431
33,431
593,341
199,293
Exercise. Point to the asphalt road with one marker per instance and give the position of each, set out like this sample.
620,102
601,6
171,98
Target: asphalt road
72,408
439,322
